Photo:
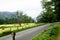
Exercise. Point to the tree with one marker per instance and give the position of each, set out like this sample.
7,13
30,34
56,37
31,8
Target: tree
19,16
57,8
2,21
48,14
46,17
27,19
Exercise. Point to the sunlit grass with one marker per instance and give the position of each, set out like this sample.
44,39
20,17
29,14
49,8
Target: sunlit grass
6,29
13,27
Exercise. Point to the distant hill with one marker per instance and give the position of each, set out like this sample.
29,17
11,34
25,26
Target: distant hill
6,14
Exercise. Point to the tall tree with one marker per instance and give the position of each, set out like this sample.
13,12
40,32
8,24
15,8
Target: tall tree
19,16
57,8
48,14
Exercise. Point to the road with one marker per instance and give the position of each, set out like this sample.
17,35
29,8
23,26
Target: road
26,34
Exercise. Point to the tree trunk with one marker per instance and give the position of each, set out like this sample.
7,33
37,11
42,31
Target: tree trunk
20,24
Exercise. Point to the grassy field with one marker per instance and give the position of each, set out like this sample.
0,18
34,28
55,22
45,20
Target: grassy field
13,27
52,33
8,28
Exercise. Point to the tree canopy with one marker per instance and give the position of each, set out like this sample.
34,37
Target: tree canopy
50,11
19,18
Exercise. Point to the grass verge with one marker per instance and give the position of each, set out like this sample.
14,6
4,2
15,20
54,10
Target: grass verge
49,34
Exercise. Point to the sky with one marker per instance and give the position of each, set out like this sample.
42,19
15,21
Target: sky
30,7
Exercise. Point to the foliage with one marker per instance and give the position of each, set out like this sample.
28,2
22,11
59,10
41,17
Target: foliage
46,17
5,33
50,11
57,8
49,34
19,18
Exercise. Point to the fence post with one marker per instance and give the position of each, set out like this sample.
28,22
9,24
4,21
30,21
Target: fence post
13,35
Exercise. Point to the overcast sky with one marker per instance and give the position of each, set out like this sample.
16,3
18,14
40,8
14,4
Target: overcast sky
30,7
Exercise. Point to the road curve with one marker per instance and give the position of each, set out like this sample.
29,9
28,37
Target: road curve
26,34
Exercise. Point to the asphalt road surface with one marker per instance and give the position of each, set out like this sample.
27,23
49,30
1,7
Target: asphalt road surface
26,34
